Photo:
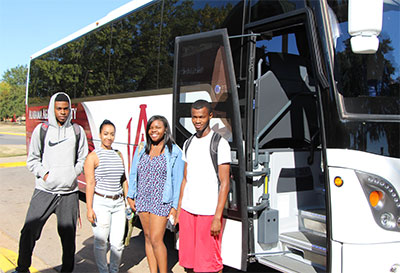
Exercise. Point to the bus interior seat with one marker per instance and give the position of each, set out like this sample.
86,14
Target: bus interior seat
285,81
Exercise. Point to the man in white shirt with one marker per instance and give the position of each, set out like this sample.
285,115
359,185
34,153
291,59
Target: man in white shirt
203,196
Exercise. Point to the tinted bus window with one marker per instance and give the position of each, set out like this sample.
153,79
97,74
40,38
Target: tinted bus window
118,57
53,72
187,17
134,51
93,62
261,9
368,83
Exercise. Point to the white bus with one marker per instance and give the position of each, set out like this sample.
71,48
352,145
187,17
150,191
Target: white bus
306,92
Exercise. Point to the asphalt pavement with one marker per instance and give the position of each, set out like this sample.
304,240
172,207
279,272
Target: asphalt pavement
12,138
16,188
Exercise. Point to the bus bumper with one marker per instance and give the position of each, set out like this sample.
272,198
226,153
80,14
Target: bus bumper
371,257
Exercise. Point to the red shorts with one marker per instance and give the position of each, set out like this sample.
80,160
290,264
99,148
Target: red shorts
198,250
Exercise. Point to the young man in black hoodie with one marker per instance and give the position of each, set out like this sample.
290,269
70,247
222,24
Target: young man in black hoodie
56,167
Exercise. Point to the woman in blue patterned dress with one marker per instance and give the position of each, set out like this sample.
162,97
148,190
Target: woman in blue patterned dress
104,172
154,186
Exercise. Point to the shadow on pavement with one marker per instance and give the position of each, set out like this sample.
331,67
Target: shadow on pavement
133,255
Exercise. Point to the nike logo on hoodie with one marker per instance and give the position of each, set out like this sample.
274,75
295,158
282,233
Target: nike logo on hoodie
51,144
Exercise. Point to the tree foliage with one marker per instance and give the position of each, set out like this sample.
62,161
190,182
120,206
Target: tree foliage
12,92
16,75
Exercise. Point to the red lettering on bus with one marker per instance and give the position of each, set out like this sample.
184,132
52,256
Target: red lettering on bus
129,144
142,121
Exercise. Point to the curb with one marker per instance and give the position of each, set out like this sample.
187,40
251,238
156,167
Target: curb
12,164
8,261
13,161
8,257
13,134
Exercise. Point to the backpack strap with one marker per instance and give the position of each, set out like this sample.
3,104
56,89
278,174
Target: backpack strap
43,132
214,151
188,143
120,155
215,138
140,147
123,177
77,132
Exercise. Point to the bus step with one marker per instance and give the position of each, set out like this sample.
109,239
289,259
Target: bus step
313,221
285,263
307,245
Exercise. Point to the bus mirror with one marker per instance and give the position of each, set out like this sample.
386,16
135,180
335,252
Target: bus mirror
365,24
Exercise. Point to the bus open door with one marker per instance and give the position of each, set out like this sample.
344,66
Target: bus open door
203,69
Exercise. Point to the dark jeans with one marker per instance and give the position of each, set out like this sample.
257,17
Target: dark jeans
42,205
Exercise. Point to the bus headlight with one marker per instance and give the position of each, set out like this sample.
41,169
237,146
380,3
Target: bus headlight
395,268
383,199
388,220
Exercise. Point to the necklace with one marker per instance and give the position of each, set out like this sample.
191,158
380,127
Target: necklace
157,149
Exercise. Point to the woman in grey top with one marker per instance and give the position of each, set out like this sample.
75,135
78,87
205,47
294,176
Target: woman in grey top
105,180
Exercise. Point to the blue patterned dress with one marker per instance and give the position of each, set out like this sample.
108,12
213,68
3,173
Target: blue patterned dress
152,174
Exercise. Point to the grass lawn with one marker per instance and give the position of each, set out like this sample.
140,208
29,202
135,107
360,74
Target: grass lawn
12,150
12,127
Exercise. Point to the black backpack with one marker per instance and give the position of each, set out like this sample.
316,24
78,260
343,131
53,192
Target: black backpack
43,132
213,149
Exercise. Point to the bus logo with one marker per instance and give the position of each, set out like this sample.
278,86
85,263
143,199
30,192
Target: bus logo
142,124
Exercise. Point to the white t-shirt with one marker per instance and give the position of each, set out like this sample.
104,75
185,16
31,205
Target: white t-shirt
201,191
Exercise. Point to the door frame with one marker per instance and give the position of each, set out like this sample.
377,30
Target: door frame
236,123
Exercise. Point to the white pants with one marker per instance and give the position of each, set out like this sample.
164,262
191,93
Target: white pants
110,224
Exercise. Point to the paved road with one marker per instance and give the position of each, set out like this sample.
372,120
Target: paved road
11,139
16,188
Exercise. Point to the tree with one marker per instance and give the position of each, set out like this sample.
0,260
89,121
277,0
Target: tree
12,92
16,75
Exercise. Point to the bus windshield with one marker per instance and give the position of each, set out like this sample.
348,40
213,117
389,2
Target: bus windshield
367,84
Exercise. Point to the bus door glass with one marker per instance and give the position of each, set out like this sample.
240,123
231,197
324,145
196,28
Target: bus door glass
203,69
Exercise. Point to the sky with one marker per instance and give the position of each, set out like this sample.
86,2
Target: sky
27,26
